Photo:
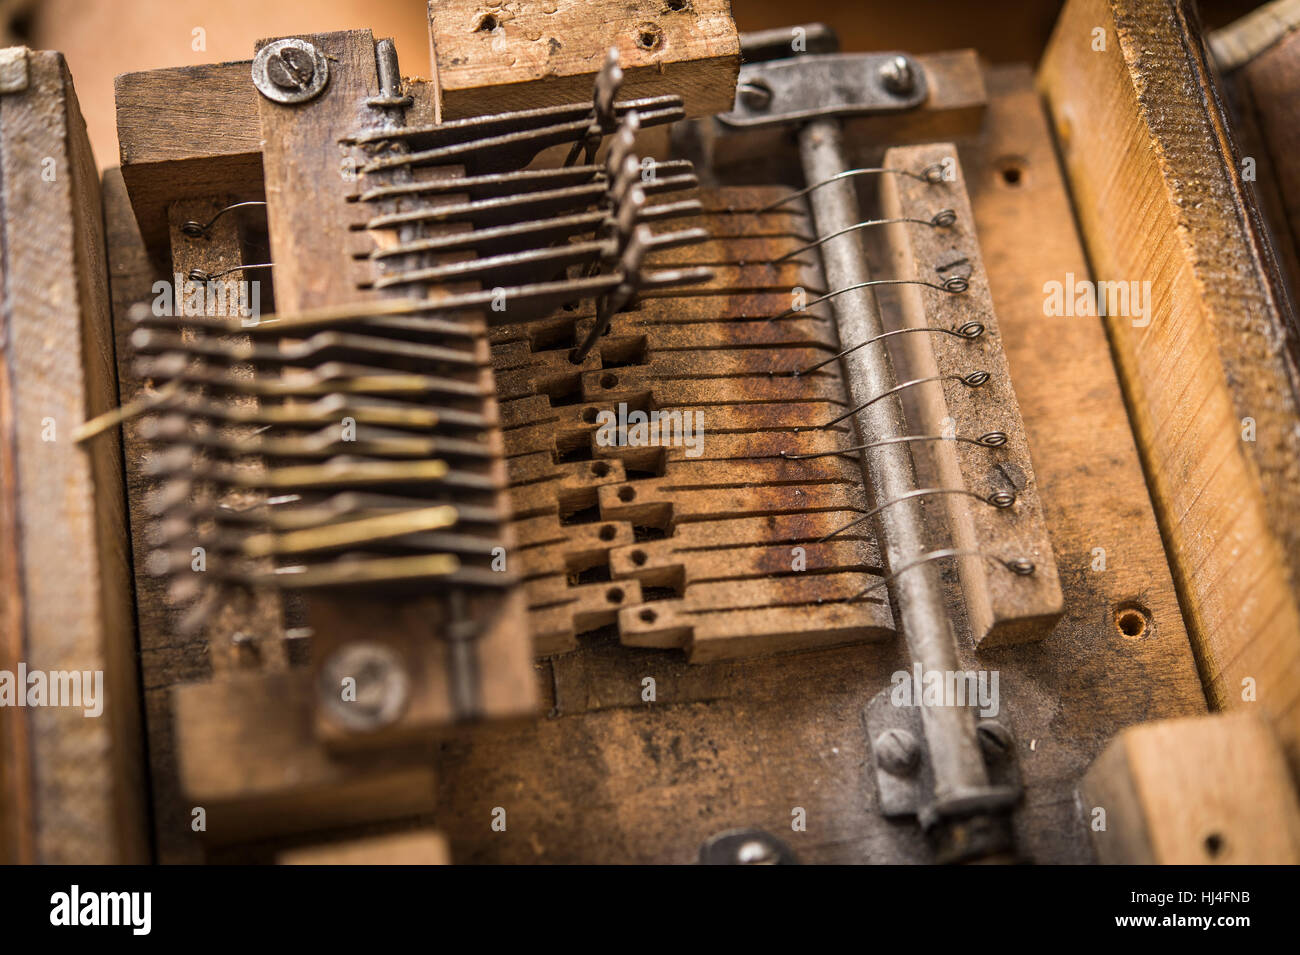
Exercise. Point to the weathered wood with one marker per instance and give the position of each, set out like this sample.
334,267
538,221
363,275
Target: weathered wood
315,251
613,777
492,57
187,132
1269,86
1209,790
71,790
248,755
1208,374
1003,608
418,847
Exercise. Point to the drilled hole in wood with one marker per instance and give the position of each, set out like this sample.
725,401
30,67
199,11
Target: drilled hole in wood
614,595
608,532
649,37
649,616
1011,171
639,557
1132,622
487,24
626,494
600,468
608,381
677,6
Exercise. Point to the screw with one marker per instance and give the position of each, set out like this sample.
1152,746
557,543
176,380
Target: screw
755,852
379,682
290,71
995,739
897,752
898,76
756,95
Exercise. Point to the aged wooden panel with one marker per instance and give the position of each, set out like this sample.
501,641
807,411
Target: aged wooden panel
1003,608
1208,374
613,777
495,56
72,787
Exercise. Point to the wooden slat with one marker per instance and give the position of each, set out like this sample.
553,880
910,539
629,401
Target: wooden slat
1003,608
494,58
1158,198
71,790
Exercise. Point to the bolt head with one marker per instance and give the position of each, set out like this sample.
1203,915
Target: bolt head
898,76
755,94
995,739
897,752
381,686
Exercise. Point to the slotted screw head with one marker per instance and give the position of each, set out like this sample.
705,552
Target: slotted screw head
897,752
290,71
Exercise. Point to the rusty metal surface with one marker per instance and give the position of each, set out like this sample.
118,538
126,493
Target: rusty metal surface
713,549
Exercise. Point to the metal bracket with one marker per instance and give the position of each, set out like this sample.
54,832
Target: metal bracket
841,84
904,781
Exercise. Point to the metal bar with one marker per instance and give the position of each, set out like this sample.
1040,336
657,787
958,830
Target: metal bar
919,606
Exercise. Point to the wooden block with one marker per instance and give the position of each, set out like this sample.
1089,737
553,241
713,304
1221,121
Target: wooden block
1204,790
71,786
1159,200
192,131
187,132
249,757
1004,608
492,57
421,847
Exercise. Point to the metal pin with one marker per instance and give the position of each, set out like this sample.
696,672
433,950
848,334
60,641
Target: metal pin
998,499
942,219
953,286
198,275
970,331
197,230
1020,566
933,174
990,439
972,380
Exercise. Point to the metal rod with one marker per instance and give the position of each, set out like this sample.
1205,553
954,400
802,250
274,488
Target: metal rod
918,597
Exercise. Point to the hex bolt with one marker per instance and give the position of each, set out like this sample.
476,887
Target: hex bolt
756,94
897,752
995,739
897,75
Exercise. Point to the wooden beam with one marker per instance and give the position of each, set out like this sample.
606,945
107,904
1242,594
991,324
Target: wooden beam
489,57
1207,370
187,132
1210,789
71,787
